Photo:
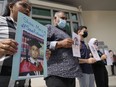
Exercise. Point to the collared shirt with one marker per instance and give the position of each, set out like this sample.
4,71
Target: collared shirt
7,30
61,63
33,61
86,68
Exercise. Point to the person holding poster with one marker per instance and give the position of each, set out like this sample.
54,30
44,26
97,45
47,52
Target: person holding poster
31,65
63,68
113,57
8,46
99,69
87,80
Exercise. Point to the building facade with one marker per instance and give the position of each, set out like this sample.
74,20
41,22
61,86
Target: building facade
43,12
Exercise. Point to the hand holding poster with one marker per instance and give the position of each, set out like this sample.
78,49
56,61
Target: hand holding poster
30,60
93,49
76,45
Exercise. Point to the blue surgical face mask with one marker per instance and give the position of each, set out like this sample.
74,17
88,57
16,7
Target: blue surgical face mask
62,23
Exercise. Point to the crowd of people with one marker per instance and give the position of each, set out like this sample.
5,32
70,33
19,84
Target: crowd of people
63,68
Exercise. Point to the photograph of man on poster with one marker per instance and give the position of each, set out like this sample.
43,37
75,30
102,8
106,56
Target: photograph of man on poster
31,65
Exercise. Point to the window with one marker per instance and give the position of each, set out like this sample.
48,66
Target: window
75,26
41,11
45,15
43,21
74,16
68,28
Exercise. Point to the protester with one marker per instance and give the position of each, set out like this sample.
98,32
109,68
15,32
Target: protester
112,55
63,68
87,80
8,46
99,69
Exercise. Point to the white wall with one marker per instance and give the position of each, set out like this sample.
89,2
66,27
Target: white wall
101,25
0,8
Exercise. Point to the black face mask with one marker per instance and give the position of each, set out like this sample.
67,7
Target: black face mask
85,34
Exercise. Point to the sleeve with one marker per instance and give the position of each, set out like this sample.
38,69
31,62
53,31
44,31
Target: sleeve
100,53
51,44
3,28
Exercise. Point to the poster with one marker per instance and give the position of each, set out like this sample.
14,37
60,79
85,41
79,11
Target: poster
76,45
108,59
93,49
30,59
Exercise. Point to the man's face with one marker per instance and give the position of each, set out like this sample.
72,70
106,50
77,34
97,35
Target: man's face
34,52
83,30
60,16
83,33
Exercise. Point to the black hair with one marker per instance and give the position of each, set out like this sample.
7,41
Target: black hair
79,28
7,10
110,51
33,42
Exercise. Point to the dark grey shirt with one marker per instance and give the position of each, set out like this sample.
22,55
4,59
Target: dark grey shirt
61,63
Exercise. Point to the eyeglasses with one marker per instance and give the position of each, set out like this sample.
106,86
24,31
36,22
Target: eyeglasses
25,5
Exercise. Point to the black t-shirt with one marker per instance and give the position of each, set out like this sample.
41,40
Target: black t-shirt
86,68
100,63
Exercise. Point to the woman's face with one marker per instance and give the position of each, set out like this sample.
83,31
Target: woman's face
21,6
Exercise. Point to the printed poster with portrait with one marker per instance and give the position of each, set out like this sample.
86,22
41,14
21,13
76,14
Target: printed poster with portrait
76,45
108,59
92,45
30,59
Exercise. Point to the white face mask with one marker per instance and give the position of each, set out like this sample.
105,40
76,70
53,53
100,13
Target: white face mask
62,23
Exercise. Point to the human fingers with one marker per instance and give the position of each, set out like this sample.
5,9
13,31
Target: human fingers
69,40
7,49
5,52
9,46
9,42
2,52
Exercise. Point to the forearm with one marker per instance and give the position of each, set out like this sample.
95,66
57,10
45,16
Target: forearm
66,43
81,61
88,61
54,45
59,44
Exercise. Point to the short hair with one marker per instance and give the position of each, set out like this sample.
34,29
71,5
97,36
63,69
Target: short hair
110,51
81,27
57,13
